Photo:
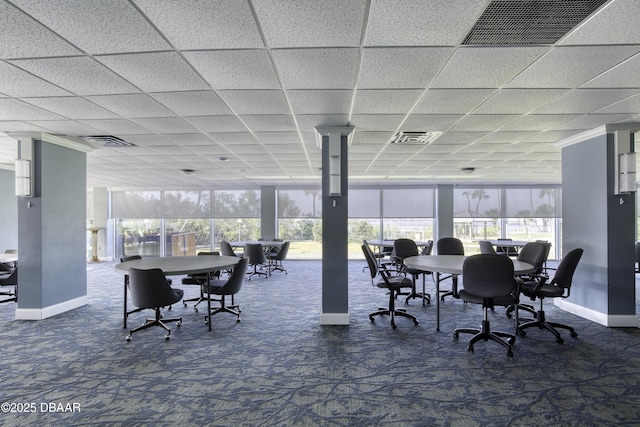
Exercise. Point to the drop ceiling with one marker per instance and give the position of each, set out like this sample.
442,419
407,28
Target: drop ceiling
189,82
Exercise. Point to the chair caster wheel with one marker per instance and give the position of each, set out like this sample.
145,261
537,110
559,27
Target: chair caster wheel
470,349
455,335
511,340
179,323
128,338
573,334
195,309
167,337
238,321
559,340
523,333
393,325
415,322
509,353
372,319
184,303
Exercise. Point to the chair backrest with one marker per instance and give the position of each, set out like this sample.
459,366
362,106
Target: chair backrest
450,246
566,268
10,251
150,289
486,247
371,260
226,249
130,258
11,279
215,253
255,253
427,249
534,253
488,275
404,248
282,253
638,252
236,279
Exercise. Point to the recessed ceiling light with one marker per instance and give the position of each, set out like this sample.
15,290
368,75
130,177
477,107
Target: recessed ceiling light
187,171
222,159
467,170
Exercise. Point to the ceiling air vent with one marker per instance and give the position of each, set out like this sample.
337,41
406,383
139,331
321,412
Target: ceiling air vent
525,22
107,141
414,138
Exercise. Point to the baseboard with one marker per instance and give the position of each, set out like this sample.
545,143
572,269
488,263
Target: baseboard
612,321
334,319
52,310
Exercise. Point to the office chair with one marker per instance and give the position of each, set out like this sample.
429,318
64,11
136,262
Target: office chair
150,289
198,279
404,248
486,247
278,257
126,279
638,257
488,280
223,288
393,283
450,246
227,250
559,287
534,253
9,278
255,253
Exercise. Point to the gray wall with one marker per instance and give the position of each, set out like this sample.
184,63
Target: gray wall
52,232
8,211
602,224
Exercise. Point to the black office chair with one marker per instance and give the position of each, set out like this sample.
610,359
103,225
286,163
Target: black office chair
198,279
450,246
404,248
559,287
534,253
9,284
277,257
227,250
638,257
507,250
393,283
223,288
488,280
257,259
486,247
150,289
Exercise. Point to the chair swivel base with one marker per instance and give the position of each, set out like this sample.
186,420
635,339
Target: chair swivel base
525,307
255,272
541,323
393,313
426,298
485,334
224,309
12,295
156,322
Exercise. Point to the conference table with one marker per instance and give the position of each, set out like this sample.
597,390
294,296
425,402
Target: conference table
174,266
267,245
452,264
8,258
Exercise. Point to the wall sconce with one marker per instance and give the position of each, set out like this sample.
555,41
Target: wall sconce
23,178
624,163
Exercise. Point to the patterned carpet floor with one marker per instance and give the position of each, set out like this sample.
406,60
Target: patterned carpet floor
280,367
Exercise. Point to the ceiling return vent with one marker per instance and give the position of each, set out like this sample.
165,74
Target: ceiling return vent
526,22
414,138
107,141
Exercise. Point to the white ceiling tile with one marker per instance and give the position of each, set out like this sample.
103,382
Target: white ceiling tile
381,101
73,106
166,125
311,23
593,121
233,138
278,137
317,68
193,24
155,72
97,26
614,23
571,66
518,101
198,103
483,122
18,83
376,122
485,67
624,75
235,69
308,122
136,105
420,23
255,101
13,109
17,126
79,75
23,37
585,100
628,105
65,127
430,122
320,101
116,126
410,67
217,123
539,122
269,122
451,101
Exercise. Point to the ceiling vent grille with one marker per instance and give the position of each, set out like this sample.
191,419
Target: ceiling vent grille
415,138
107,141
525,22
